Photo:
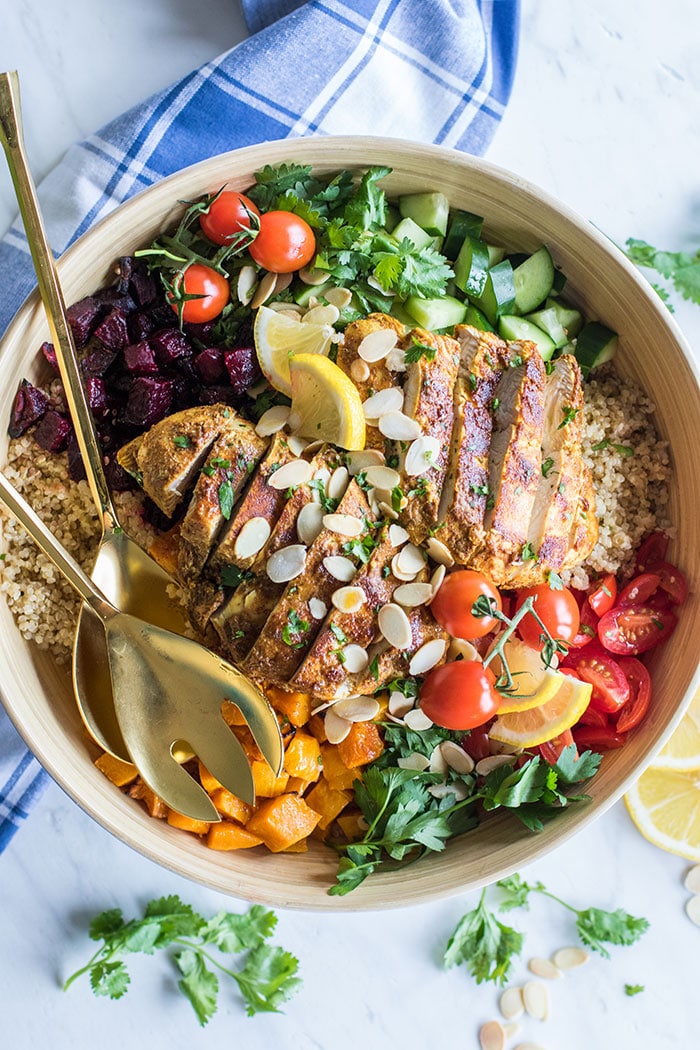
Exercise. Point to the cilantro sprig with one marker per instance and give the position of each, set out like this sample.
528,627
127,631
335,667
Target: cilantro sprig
266,980
680,269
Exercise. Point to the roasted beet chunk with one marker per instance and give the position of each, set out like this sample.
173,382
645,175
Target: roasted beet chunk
76,468
98,361
117,478
168,345
97,396
242,367
52,431
140,325
29,406
112,331
49,353
82,317
210,365
142,287
140,359
201,333
149,401
214,395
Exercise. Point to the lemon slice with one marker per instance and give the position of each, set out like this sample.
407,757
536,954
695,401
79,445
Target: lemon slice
278,337
533,683
325,402
665,806
682,752
536,725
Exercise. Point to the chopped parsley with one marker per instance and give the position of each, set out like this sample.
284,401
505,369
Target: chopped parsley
182,441
232,576
419,350
528,552
225,494
570,414
547,465
292,630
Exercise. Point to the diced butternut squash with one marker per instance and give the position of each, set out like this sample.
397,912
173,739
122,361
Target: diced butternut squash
298,785
327,802
232,714
362,745
227,836
317,728
334,769
153,803
302,846
247,741
178,820
267,785
208,782
303,757
352,825
164,549
120,773
294,706
231,806
282,821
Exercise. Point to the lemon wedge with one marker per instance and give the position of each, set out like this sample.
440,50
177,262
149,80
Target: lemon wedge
682,752
325,402
533,683
278,337
665,806
536,725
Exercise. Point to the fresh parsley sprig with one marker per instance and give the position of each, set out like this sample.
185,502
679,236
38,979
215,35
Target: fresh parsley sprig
267,979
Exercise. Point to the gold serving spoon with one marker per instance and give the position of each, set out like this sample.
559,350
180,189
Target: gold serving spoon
166,689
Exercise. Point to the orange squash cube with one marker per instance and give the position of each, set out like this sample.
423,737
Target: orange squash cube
334,769
178,820
164,549
232,714
267,785
362,745
294,706
229,805
303,757
120,773
154,803
327,802
317,727
352,825
228,836
298,785
280,822
208,782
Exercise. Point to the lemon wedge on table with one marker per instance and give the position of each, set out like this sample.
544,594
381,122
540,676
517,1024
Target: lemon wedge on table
278,337
325,402
536,725
665,806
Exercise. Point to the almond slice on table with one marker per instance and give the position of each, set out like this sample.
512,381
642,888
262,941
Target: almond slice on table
492,1036
511,1003
692,879
544,968
570,958
536,1000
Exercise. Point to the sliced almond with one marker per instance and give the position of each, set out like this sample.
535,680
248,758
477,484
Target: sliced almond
397,571
439,552
398,535
355,659
570,958
336,728
343,524
340,297
388,400
382,477
321,315
357,708
317,608
456,757
395,360
511,1030
283,281
252,538
427,656
487,765
266,288
414,761
337,483
374,282
377,344
245,285
399,427
359,461
273,420
411,595
422,455
436,579
418,720
444,789
462,649
437,762
348,599
296,472
312,277
287,563
692,909
492,1036
297,444
309,522
395,626
399,704
387,512
410,559
339,567
536,1000
692,879
359,370
528,1046
544,968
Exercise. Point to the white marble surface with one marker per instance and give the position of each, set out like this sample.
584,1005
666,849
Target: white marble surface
604,114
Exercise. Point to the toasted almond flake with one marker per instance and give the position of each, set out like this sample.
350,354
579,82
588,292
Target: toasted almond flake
297,444
439,552
544,968
251,599
412,594
414,761
399,427
388,512
321,315
339,567
359,370
359,461
395,626
355,659
336,728
296,472
377,344
309,522
340,297
272,420
692,909
312,277
511,1030
406,577
395,360
374,282
317,608
382,478
492,1036
323,475
486,765
410,559
287,563
343,524
245,286
357,708
436,579
460,647
442,790
422,455
283,281
437,762
252,538
288,309
497,747
692,879
397,535
536,1000
337,483
427,656
348,599
387,400
312,447
267,286
528,1046
456,757
570,958
417,719
399,704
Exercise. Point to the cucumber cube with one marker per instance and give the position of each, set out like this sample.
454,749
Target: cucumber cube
429,210
533,281
511,326
472,266
436,314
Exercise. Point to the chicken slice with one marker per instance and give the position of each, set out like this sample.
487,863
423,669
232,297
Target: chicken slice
584,527
379,375
392,663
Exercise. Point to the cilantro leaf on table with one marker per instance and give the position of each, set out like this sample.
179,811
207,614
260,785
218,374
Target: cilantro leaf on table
484,945
680,268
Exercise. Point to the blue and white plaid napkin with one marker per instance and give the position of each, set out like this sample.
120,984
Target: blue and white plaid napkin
429,70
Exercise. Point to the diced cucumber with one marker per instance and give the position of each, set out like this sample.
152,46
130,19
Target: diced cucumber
308,291
548,321
476,319
435,314
498,296
511,326
392,217
558,282
399,311
429,210
496,254
472,266
595,345
462,224
570,319
533,281
415,234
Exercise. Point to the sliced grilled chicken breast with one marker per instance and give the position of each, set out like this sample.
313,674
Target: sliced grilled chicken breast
392,663
378,375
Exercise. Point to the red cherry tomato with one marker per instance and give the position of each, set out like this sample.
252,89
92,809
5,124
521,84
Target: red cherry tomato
652,550
477,743
594,665
632,629
671,581
558,611
459,695
639,590
590,738
602,594
592,716
452,605
551,750
588,627
211,288
640,694
227,215
284,243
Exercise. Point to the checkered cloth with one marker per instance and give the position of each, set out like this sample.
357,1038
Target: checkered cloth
429,70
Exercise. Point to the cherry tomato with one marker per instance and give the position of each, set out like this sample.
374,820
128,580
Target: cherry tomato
285,242
671,581
592,716
588,627
459,695
632,629
227,215
558,611
551,750
639,590
594,665
652,550
640,694
477,743
589,738
602,594
452,605
211,288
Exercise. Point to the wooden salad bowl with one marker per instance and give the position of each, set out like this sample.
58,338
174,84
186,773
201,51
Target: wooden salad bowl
38,694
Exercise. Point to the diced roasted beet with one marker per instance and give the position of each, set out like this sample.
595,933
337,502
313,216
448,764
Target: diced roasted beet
142,286
76,468
201,333
140,359
117,478
140,325
242,367
29,406
52,431
82,317
96,391
213,395
210,366
168,345
183,389
112,331
49,353
149,401
98,361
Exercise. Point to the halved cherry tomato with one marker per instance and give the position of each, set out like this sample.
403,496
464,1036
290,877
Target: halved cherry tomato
639,590
452,605
601,595
460,695
570,672
477,743
551,750
593,716
227,215
558,611
632,629
285,242
592,664
588,627
640,694
210,287
651,551
671,581
589,738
